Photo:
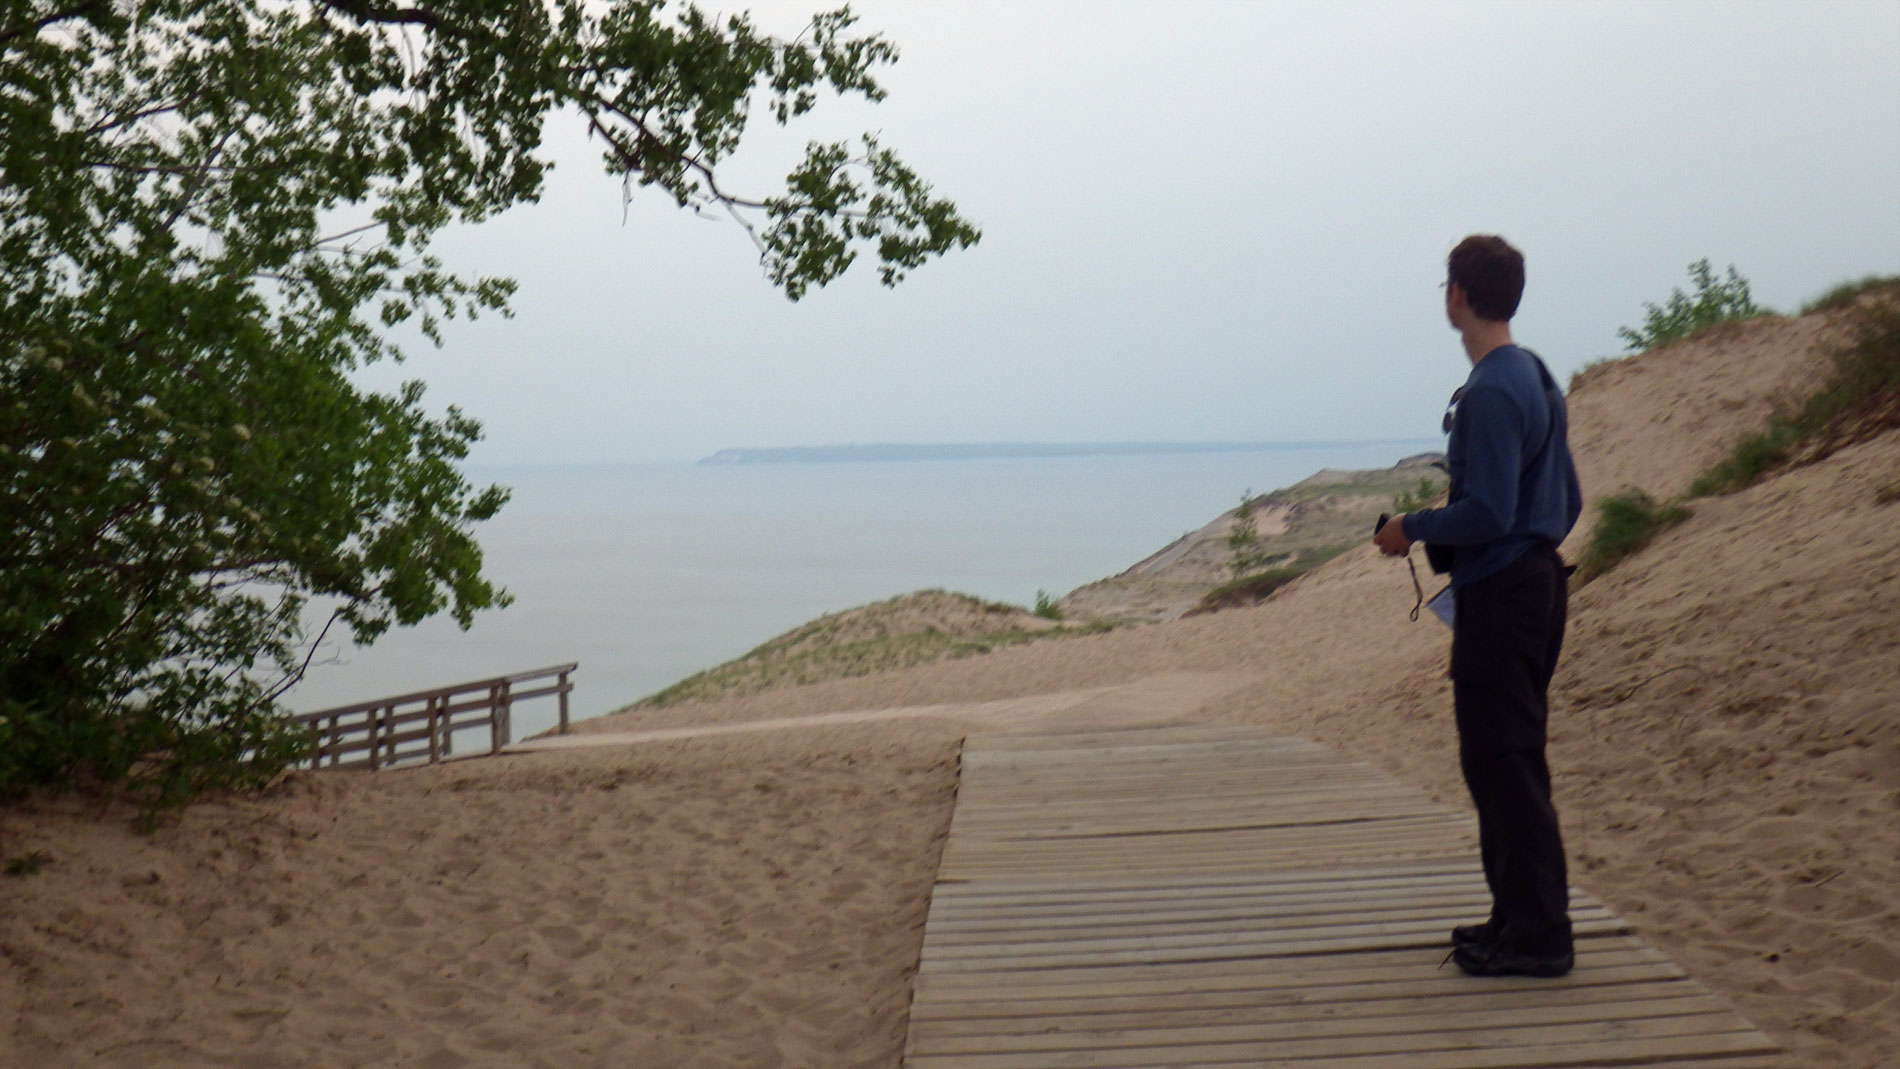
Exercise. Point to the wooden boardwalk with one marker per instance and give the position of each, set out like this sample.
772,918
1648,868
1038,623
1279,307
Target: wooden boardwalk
1200,895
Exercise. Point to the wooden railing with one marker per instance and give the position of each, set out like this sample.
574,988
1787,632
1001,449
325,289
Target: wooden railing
410,727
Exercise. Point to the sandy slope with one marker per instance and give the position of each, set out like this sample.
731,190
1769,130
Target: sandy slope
1725,740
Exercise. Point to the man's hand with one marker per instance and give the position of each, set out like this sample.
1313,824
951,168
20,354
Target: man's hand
1391,538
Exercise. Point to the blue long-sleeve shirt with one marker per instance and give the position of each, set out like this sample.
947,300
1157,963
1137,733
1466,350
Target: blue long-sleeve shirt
1513,483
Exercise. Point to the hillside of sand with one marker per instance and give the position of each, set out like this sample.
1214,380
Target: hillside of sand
1725,745
1295,529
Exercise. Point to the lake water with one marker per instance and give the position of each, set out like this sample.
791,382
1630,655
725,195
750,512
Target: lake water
645,574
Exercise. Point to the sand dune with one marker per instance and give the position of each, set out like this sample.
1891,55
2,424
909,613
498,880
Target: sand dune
1725,744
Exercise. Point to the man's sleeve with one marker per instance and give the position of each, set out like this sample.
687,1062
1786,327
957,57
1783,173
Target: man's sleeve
1492,427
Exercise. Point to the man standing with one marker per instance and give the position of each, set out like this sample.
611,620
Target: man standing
1514,496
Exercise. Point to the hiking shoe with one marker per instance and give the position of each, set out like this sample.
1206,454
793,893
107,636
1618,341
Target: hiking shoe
1497,959
1471,935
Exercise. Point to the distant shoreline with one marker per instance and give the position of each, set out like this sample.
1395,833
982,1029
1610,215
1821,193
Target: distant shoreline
887,452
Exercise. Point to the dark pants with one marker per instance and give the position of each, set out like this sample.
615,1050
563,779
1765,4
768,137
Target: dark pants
1506,637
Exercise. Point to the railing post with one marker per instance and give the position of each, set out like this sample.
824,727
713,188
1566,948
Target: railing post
435,743
498,717
563,697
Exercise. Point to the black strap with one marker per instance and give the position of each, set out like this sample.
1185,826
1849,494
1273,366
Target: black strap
1553,403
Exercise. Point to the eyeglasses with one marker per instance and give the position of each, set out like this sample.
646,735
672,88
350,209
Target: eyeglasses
1451,407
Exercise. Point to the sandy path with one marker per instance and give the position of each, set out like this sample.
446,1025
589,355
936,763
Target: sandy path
1155,699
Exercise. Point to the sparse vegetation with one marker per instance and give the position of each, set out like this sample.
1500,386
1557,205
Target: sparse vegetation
27,864
1847,293
1294,524
1418,497
1255,588
1626,522
1583,373
902,632
1859,398
1714,301
1246,553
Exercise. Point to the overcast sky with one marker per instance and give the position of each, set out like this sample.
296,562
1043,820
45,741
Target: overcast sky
1202,221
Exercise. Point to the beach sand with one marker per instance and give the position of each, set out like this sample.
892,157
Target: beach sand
1725,745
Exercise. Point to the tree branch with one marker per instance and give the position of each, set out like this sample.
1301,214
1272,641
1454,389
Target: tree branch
352,232
194,188
145,112
163,168
388,16
292,679
84,7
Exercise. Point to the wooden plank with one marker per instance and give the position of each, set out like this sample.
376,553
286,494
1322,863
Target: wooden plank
1218,764
1145,890
1240,795
1262,769
1590,1043
424,695
1323,826
1340,978
1154,1029
1239,906
1399,963
1243,915
1601,984
1646,1051
1034,906
1439,917
1337,939
1112,816
1234,857
1303,877
1325,830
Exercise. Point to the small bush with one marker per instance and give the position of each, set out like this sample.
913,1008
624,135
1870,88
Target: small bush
1751,457
1046,606
27,864
1250,589
1626,522
1715,301
1864,369
1847,293
1247,590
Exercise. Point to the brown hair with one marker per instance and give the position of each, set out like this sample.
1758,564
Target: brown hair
1491,273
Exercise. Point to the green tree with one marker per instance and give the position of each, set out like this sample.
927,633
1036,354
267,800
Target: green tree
1246,553
211,213
1714,301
